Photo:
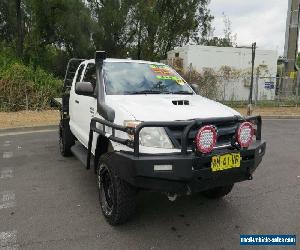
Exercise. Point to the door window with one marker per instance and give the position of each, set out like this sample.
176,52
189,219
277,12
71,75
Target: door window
90,74
78,77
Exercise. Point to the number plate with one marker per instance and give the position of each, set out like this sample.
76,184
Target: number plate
227,161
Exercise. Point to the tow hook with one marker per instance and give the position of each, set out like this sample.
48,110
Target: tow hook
172,196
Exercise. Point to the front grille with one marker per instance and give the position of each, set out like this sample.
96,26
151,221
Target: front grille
226,132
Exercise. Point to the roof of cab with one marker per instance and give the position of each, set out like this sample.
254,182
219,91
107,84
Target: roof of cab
124,60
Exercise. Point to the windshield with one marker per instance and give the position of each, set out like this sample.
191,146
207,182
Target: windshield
123,78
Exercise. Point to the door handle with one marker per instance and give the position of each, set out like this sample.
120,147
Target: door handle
76,101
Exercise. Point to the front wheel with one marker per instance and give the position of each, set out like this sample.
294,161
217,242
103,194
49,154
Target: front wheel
117,198
218,192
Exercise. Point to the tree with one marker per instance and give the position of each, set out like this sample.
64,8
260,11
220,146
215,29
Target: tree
65,24
7,21
112,29
47,32
229,39
19,40
163,24
228,36
56,30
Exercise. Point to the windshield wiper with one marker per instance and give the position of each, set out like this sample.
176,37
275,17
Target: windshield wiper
182,92
148,91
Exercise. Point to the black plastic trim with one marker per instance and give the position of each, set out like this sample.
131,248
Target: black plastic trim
190,171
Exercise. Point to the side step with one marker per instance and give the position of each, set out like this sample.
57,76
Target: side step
80,152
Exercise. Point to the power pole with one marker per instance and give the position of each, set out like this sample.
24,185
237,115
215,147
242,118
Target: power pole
291,45
250,108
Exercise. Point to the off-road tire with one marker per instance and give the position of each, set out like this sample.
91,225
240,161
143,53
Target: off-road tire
218,192
66,138
117,199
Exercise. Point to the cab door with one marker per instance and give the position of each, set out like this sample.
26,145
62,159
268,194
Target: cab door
87,104
74,109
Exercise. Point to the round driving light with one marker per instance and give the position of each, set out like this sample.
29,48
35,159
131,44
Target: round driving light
245,134
206,139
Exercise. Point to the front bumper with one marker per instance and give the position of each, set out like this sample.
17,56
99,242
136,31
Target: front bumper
190,173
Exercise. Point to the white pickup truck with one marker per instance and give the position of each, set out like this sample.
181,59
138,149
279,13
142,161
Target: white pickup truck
140,126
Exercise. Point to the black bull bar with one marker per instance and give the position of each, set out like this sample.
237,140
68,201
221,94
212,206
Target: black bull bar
188,125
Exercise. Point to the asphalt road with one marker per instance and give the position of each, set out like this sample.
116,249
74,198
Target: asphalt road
50,202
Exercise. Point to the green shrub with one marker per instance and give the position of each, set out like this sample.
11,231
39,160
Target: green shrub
22,87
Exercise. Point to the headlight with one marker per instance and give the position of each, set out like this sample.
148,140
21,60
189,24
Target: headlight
151,136
155,137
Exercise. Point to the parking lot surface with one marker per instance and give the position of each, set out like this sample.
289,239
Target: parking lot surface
50,202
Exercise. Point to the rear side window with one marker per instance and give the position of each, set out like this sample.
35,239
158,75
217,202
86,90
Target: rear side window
90,74
78,77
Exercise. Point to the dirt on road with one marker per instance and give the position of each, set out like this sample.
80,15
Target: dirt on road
273,111
28,118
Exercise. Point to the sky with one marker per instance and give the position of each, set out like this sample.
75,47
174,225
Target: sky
260,21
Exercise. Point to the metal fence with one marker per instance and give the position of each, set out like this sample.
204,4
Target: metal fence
235,86
277,91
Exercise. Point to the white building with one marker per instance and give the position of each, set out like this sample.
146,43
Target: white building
200,57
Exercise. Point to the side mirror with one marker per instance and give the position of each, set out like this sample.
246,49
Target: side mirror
195,88
84,88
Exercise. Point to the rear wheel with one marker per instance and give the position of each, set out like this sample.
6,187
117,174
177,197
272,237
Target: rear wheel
117,198
66,138
218,192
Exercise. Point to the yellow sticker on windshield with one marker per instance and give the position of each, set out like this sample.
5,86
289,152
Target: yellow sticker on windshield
180,82
152,66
